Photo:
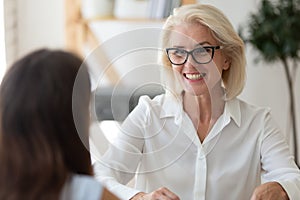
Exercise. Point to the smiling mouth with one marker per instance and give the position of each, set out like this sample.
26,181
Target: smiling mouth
197,76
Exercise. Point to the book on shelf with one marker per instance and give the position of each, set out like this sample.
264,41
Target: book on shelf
130,9
159,9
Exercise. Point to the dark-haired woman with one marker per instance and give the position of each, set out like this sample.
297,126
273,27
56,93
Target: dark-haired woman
44,121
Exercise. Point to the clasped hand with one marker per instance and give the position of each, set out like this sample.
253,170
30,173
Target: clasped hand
266,191
159,194
269,191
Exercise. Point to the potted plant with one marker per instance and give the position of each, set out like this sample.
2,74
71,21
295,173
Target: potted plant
274,31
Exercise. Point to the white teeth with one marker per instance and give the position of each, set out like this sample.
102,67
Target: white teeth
195,76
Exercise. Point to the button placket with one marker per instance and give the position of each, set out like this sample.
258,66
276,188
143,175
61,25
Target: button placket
201,175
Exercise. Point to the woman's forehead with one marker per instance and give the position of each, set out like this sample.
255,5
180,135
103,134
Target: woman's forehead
191,35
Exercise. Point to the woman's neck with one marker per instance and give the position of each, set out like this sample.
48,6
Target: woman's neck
205,107
204,110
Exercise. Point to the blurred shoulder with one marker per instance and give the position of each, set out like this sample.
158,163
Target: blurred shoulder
79,187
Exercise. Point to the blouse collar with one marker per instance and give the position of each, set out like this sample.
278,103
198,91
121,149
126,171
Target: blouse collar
173,107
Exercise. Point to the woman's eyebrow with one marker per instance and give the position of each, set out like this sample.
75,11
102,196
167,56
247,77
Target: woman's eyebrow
202,43
178,46
199,44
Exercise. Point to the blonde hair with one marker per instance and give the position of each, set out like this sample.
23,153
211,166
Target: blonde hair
222,31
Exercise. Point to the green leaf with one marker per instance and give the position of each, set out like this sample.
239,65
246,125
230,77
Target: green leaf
274,30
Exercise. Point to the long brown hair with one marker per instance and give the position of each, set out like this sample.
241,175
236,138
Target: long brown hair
39,142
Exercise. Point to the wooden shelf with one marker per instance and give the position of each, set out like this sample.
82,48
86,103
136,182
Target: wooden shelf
80,31
146,20
76,26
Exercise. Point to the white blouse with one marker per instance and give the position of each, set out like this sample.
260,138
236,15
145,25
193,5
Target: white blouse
81,187
159,144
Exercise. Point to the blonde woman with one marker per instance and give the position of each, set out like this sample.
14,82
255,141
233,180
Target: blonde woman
199,141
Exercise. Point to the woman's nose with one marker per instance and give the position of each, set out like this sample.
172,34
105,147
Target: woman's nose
190,62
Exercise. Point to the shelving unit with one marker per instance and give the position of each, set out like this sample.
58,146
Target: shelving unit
77,28
90,33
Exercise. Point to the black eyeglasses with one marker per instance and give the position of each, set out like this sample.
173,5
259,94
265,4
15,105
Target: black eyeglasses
201,55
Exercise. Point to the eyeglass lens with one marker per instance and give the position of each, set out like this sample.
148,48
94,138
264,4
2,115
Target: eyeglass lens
201,55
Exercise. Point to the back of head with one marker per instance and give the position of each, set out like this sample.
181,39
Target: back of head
39,142
222,30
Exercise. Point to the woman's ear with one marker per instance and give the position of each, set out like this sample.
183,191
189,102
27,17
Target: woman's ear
227,64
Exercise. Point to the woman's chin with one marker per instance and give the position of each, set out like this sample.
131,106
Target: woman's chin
195,91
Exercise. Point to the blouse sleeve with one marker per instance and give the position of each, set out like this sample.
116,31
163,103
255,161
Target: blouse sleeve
119,163
277,162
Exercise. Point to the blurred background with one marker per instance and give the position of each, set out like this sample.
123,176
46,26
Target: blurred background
82,25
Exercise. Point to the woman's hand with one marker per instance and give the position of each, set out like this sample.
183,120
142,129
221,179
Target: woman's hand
159,194
269,191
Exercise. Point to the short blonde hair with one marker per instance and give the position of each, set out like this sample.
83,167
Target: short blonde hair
223,31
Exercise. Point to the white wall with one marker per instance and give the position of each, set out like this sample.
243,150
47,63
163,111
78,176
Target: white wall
2,46
41,24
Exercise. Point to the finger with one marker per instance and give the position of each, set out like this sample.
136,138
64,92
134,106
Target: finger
169,194
253,197
164,198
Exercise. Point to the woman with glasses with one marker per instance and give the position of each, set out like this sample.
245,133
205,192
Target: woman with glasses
198,140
